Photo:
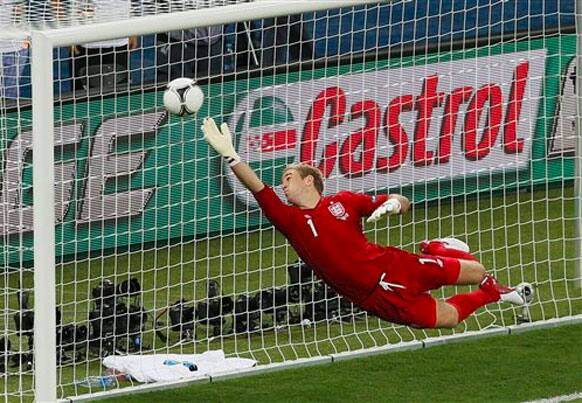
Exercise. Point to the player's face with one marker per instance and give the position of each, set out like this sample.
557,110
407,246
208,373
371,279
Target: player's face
294,186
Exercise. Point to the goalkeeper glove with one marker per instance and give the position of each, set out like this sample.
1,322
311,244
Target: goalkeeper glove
389,207
220,140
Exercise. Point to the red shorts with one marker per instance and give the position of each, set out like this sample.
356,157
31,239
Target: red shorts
408,277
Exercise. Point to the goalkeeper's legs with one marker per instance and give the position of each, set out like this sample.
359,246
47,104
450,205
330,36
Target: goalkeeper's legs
451,312
457,308
471,272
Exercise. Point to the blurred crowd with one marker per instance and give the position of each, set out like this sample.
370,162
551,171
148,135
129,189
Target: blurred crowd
115,65
403,26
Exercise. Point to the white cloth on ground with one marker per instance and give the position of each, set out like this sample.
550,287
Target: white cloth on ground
151,368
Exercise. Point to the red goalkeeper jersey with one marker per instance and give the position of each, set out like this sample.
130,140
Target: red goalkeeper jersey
330,240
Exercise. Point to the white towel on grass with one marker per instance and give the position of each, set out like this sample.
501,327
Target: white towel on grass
151,368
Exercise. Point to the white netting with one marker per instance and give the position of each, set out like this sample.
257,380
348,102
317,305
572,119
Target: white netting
160,251
26,15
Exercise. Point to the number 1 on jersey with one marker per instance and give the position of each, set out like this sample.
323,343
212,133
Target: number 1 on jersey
312,226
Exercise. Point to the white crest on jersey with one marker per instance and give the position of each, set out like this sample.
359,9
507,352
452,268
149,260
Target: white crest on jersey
338,211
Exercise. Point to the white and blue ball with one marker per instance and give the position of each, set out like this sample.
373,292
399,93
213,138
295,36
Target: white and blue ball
183,97
527,291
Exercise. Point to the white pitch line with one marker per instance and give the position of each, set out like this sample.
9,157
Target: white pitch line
561,398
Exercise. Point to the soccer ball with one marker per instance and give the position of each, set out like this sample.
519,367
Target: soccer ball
183,96
526,290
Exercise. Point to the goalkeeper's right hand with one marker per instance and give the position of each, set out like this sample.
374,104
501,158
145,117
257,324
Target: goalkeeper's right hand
389,207
220,140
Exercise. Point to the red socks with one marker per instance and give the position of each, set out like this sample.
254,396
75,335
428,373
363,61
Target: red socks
468,303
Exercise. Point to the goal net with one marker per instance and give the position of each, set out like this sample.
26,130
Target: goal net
161,257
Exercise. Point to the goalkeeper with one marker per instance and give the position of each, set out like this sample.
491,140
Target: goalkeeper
326,232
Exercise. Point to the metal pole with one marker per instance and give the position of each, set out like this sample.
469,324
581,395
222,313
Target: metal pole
45,363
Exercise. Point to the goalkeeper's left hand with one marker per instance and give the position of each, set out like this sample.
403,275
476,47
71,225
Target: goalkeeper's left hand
389,207
220,140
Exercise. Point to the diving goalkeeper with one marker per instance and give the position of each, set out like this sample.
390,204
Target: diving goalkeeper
326,232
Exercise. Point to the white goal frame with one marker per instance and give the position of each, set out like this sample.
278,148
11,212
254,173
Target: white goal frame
43,43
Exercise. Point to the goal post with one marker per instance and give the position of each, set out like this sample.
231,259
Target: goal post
43,43
144,243
44,220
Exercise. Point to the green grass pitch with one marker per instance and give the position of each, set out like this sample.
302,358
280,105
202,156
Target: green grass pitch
527,366
520,236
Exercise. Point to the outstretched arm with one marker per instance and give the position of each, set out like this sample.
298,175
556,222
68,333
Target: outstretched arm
247,177
221,141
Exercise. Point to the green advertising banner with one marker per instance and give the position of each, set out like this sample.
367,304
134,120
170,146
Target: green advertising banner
436,125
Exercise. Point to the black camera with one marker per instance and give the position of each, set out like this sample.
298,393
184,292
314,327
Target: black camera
129,288
327,304
300,282
104,293
72,337
211,312
246,313
24,322
5,347
273,301
185,316
212,289
24,318
182,318
116,320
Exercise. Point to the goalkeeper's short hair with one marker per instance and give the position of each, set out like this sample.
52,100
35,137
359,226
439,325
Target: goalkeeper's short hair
306,170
